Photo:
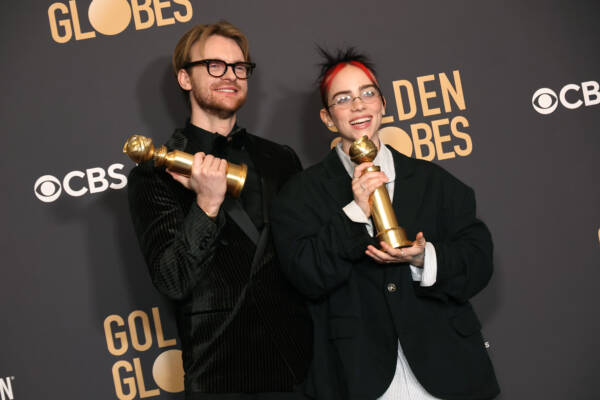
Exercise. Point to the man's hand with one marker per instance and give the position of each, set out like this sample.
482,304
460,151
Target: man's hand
208,181
414,255
364,184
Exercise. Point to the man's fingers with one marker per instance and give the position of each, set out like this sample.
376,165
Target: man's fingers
184,180
223,166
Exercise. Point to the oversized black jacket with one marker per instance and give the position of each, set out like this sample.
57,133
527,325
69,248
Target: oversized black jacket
361,309
242,328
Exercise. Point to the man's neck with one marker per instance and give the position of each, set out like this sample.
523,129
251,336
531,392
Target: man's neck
213,123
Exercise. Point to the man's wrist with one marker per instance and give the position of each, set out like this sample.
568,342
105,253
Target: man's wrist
210,208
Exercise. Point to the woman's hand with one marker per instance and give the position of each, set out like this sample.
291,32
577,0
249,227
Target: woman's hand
364,184
414,255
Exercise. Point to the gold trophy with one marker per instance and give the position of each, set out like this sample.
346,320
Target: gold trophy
140,148
384,218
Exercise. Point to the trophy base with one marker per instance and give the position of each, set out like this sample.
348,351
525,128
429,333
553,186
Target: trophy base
395,237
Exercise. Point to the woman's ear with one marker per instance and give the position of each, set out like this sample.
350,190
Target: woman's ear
326,118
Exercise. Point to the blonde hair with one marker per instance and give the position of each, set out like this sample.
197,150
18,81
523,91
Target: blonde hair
200,33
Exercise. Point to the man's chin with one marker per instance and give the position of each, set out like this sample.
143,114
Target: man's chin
223,111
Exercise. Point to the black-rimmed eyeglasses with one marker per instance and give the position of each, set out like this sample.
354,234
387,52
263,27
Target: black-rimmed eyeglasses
218,68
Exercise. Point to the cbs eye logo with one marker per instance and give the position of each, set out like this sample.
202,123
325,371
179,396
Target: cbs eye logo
544,101
48,188
571,96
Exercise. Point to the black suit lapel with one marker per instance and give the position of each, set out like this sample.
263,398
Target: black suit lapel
408,192
266,169
236,212
337,181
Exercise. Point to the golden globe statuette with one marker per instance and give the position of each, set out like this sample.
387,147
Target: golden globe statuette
140,148
384,218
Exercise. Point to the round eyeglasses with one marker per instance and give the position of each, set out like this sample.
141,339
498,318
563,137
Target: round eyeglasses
218,68
367,95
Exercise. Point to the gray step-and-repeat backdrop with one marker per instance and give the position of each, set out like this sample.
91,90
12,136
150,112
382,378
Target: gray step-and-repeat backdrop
504,94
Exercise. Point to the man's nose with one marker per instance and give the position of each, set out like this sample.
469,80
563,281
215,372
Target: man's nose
229,74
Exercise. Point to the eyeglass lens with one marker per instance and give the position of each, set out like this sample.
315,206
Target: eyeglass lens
218,68
367,95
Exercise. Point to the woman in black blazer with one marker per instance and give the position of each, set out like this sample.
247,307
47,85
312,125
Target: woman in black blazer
388,323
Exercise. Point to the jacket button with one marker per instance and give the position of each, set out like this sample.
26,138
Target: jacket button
391,287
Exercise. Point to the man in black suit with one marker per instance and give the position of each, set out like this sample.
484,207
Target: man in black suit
245,332
389,323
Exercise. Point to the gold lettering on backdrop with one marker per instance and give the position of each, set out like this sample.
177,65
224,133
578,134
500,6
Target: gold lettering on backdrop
430,139
111,17
119,381
441,139
160,336
65,24
142,331
140,381
167,371
133,331
111,336
188,11
461,135
412,104
424,95
397,138
160,20
79,35
455,91
137,14
418,141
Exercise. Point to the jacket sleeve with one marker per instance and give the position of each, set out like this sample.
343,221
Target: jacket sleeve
317,249
177,245
296,165
464,249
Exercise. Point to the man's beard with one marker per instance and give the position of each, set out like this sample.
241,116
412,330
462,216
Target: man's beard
212,105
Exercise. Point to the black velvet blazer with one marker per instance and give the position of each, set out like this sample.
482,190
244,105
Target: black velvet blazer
242,327
358,318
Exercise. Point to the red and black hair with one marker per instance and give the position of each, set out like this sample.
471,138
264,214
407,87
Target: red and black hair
334,63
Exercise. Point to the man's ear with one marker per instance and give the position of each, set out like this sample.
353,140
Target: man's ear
383,100
326,118
184,79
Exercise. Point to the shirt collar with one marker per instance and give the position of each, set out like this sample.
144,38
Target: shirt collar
384,159
203,139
